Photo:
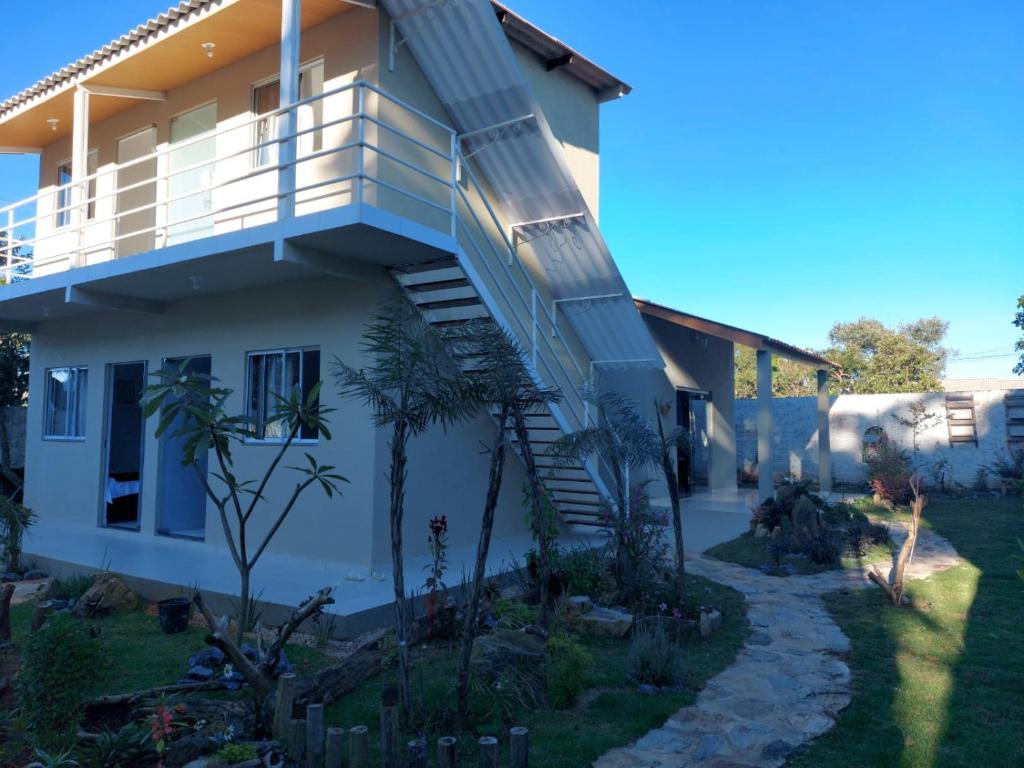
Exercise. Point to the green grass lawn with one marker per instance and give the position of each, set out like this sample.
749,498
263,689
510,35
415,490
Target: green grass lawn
612,714
939,684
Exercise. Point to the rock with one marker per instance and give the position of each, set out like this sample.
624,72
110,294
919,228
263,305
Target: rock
606,622
761,531
710,622
503,649
777,750
107,594
578,604
199,673
9,577
35,575
536,629
805,519
208,657
201,763
647,689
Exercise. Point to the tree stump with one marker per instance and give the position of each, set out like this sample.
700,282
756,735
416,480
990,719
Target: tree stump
519,747
488,752
5,612
447,755
43,610
359,747
334,755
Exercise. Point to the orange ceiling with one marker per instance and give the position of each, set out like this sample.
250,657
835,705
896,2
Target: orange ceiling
238,29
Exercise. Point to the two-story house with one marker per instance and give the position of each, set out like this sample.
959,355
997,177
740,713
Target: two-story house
241,183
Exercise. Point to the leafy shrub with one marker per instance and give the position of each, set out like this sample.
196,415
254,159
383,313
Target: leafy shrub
565,670
824,548
769,514
653,658
585,571
59,667
644,546
15,519
235,753
121,748
1009,466
889,471
861,535
981,479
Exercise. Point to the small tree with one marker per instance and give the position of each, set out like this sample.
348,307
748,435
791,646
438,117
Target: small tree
15,519
918,420
893,585
205,426
501,382
622,440
412,383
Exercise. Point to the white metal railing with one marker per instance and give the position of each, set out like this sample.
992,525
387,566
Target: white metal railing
374,146
368,152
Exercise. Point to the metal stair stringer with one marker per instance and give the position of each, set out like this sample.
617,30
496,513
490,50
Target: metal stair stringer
451,291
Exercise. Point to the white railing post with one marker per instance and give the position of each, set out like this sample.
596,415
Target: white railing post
360,141
533,326
454,181
291,17
8,272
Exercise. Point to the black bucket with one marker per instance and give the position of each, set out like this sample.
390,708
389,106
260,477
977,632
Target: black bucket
174,615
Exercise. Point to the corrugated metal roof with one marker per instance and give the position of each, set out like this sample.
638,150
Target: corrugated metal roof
732,333
518,28
462,50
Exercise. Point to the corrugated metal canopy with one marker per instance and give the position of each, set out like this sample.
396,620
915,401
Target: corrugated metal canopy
462,50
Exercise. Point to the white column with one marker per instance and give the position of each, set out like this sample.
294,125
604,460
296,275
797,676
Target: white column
824,440
287,122
765,481
79,167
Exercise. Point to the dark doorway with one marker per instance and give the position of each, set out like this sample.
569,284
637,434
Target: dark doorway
123,471
181,497
693,465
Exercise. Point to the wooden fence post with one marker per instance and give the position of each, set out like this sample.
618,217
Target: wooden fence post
6,593
447,756
488,752
334,756
286,685
359,747
389,729
416,751
297,740
315,735
519,747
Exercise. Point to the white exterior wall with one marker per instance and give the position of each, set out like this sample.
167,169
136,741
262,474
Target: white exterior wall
796,443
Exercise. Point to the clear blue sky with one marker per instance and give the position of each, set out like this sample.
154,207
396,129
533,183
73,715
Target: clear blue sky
779,165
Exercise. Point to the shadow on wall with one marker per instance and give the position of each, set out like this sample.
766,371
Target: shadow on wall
857,419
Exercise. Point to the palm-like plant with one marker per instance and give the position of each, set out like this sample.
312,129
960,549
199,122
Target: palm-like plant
677,439
206,425
412,383
501,382
622,441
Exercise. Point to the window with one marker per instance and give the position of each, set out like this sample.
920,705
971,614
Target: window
266,98
63,194
65,403
281,372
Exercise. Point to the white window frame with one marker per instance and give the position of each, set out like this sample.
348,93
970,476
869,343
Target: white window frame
282,351
315,139
91,167
74,409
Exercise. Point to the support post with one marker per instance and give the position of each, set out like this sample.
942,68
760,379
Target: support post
359,747
447,755
297,740
286,687
488,752
79,168
389,732
824,439
765,473
287,121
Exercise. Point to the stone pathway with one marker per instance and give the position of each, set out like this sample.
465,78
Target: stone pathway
787,684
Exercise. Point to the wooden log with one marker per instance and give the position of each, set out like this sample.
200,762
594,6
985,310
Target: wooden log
359,747
488,752
5,611
447,753
297,740
315,735
389,729
287,685
334,754
519,747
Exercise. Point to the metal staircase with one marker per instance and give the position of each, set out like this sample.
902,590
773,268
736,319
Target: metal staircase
446,295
